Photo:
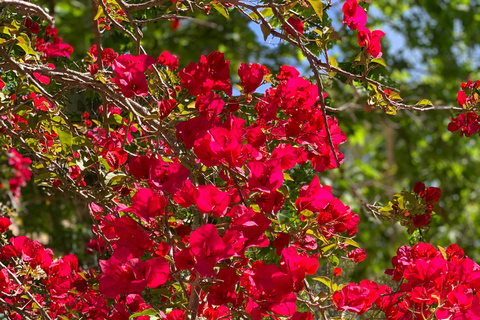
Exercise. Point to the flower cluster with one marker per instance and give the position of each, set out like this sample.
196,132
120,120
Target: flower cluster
355,18
19,172
468,98
439,283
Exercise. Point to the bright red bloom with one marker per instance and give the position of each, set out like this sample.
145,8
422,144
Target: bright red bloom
221,312
4,224
337,272
419,188
166,106
271,289
59,49
314,197
30,251
357,255
302,316
225,291
265,176
287,72
209,104
212,200
287,155
208,248
211,73
251,227
220,145
165,176
454,253
191,130
186,195
358,298
371,40
280,242
461,98
124,274
468,124
432,194
251,76
177,315
168,60
130,74
353,15
297,24
296,266
148,204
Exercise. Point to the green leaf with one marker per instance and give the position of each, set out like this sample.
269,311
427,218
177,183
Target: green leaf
254,16
424,102
326,281
352,243
267,12
333,63
326,248
100,13
220,8
317,5
24,43
148,312
287,177
334,260
265,31
380,61
65,137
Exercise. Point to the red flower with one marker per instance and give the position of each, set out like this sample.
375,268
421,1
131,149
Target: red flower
168,60
59,49
224,292
208,248
461,98
314,197
165,107
358,299
148,204
166,176
287,155
186,195
468,124
297,24
353,15
129,72
357,255
433,194
4,224
209,104
251,76
371,40
177,315
337,272
419,188
124,274
211,72
210,199
265,176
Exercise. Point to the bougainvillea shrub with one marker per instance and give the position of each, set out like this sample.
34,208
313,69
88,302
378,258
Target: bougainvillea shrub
193,213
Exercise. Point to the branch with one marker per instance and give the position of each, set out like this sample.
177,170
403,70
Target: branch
174,16
146,5
28,8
